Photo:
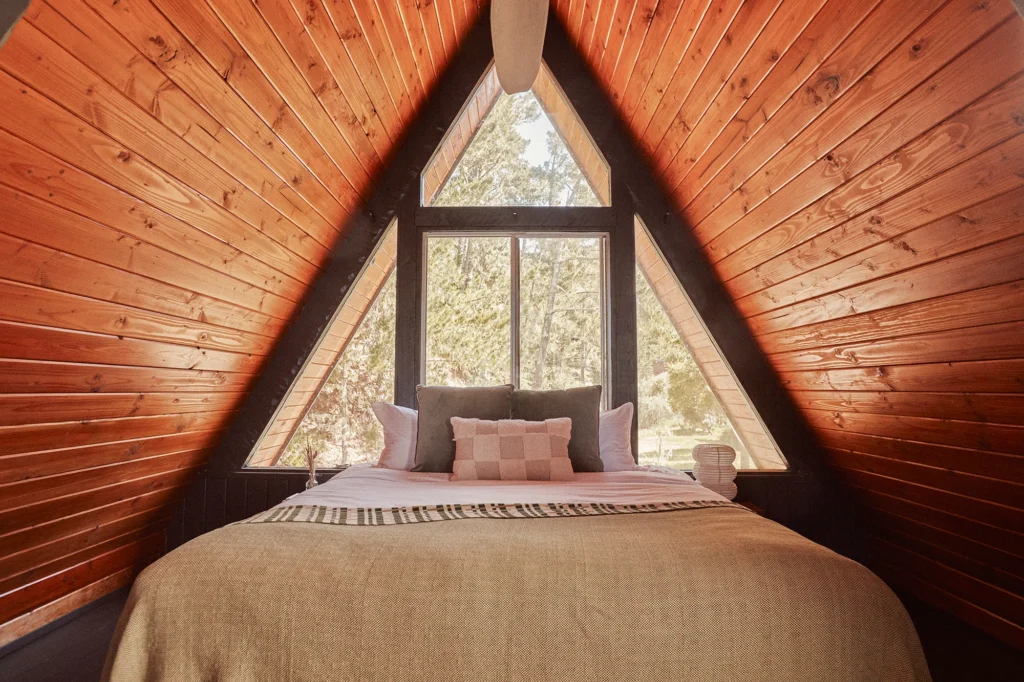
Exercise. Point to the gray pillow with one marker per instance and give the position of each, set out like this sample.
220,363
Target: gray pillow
582,405
435,439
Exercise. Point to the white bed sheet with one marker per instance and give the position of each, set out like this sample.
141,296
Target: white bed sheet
362,485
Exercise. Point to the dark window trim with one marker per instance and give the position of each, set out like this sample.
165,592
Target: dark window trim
616,221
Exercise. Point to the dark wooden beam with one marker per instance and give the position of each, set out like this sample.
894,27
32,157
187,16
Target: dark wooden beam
408,305
622,348
507,218
683,254
363,232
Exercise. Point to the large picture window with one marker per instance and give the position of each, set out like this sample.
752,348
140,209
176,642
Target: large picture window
516,267
522,309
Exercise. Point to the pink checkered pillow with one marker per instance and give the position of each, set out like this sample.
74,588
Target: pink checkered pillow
511,450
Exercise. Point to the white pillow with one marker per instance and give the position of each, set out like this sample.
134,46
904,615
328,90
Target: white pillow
616,429
399,436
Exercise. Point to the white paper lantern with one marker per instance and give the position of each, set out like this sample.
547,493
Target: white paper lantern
517,33
713,468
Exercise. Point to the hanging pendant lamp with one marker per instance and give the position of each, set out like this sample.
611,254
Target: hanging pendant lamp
517,32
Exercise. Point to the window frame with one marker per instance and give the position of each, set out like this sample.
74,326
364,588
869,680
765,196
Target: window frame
515,281
615,223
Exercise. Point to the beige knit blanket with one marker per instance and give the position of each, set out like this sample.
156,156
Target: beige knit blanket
701,594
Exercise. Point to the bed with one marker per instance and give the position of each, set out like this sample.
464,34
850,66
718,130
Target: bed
392,575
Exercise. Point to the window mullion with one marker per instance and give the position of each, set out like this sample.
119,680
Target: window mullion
514,317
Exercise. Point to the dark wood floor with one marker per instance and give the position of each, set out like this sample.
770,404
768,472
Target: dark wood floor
957,652
74,651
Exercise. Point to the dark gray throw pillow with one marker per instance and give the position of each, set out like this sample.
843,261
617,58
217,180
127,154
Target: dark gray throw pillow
582,405
435,439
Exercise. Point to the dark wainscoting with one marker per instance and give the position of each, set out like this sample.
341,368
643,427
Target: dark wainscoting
215,501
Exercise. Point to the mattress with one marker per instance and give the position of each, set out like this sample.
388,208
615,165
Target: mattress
701,590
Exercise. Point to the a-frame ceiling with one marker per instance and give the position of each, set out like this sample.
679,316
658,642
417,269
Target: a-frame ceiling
174,175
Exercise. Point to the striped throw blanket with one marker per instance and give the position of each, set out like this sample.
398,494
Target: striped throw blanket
369,516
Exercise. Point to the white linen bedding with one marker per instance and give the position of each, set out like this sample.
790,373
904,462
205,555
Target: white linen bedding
365,486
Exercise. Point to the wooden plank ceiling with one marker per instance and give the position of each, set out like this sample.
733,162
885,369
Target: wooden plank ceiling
174,174
855,172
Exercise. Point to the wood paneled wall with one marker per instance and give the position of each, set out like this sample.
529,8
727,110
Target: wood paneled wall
854,171
173,176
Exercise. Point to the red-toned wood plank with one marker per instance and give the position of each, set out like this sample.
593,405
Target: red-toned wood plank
883,30
620,21
428,17
1002,603
184,64
346,103
585,33
946,519
963,434
656,43
164,271
365,20
27,376
339,136
996,408
979,307
965,563
961,608
977,128
978,462
51,510
978,226
69,528
26,342
35,59
999,263
446,21
700,51
31,264
28,304
602,25
992,342
997,376
96,44
887,524
42,437
764,55
28,169
975,181
1002,519
39,562
52,490
404,27
829,151
350,61
28,115
815,45
976,487
51,462
135,555
62,606
44,408
746,27
644,14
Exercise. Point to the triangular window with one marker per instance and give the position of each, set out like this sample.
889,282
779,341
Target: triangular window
328,407
687,393
526,149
